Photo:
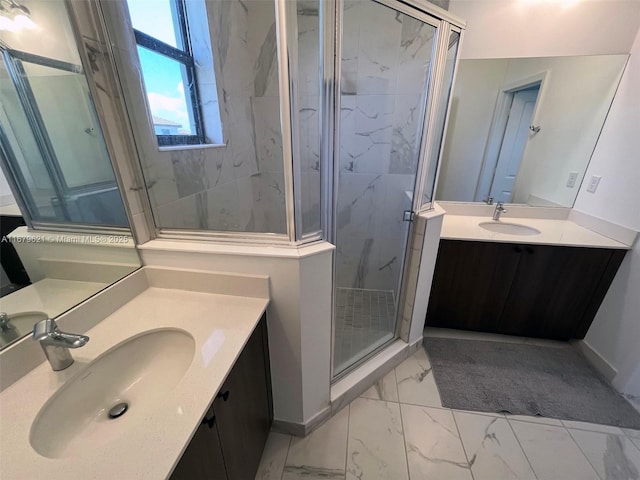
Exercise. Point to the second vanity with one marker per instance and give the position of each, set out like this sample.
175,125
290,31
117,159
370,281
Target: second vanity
532,277
185,351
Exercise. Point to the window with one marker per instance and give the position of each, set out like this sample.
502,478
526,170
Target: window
168,68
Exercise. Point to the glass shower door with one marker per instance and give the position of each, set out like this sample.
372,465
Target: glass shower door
51,144
386,56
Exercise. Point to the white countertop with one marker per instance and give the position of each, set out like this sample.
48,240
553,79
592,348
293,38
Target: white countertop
220,326
552,232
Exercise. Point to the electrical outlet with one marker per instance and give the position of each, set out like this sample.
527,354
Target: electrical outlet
571,182
593,183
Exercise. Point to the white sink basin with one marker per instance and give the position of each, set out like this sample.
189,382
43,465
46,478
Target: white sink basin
140,371
509,228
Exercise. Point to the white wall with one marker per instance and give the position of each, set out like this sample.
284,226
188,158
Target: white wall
53,38
540,28
474,100
571,108
299,315
615,332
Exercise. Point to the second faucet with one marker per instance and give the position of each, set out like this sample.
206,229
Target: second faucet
499,211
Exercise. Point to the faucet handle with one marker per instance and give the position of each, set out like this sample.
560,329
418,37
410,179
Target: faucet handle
48,330
44,328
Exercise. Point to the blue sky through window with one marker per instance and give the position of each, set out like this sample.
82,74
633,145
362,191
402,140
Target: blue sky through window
155,18
164,78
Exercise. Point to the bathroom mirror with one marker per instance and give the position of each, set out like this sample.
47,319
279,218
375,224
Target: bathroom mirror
522,130
64,229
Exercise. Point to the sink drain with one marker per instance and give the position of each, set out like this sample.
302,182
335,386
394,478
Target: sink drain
118,410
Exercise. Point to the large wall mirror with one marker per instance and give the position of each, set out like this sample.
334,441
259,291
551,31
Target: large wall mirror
65,233
522,130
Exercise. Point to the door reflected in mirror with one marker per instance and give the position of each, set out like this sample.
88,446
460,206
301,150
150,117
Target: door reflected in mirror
63,225
522,130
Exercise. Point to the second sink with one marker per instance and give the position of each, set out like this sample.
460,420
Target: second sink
509,228
139,372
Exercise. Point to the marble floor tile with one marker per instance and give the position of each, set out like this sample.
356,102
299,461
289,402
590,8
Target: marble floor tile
273,457
536,419
376,449
416,384
613,456
384,389
434,448
592,427
552,453
634,435
492,448
322,454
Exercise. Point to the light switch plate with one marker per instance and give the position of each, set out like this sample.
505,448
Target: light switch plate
571,182
593,183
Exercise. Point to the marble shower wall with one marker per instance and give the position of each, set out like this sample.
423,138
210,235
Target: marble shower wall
385,63
238,186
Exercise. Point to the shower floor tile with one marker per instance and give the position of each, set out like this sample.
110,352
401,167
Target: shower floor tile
365,319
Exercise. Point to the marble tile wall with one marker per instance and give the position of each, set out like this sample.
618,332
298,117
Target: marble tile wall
238,186
383,86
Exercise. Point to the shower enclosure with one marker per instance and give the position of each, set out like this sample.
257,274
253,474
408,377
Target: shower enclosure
51,146
387,51
329,120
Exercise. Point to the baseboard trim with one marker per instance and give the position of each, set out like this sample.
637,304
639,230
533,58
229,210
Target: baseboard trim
290,428
318,419
302,429
607,370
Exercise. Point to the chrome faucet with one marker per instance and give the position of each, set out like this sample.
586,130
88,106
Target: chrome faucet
499,211
5,326
56,344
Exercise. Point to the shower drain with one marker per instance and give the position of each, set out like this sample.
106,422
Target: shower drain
118,410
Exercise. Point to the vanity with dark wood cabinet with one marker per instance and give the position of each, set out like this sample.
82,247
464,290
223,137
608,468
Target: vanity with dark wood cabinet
531,290
229,442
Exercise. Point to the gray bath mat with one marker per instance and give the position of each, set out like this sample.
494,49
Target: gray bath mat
554,382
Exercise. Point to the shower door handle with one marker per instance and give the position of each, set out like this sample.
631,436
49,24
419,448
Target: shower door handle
408,215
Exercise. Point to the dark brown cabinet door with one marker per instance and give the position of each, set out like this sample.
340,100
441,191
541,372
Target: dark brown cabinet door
516,289
471,284
552,290
243,408
202,460
229,442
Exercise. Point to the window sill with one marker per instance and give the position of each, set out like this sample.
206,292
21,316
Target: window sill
174,148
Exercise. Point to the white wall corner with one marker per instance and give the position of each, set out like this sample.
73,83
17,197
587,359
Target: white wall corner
316,287
430,246
600,363
615,332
